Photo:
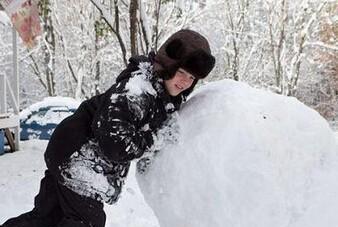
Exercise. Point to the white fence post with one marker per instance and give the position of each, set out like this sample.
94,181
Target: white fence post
16,87
3,92
10,87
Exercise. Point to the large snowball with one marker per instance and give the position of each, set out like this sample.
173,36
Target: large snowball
247,158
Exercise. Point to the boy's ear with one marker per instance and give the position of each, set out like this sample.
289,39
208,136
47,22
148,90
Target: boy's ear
175,49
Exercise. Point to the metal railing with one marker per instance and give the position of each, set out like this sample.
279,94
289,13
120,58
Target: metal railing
11,90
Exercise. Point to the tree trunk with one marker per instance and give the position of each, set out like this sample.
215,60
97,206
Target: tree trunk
116,29
97,64
49,47
156,17
133,7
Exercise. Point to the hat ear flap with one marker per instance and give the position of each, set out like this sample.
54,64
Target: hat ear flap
175,49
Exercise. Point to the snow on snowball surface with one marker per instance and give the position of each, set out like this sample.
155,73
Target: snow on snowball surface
246,158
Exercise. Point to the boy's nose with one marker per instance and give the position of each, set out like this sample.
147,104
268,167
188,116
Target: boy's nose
185,82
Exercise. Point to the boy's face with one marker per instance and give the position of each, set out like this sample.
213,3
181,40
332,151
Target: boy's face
181,81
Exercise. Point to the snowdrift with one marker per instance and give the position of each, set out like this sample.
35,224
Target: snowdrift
246,158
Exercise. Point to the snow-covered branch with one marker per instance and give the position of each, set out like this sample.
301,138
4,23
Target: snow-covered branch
320,44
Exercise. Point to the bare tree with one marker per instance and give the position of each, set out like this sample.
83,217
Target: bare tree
299,43
156,18
114,24
49,46
277,21
133,8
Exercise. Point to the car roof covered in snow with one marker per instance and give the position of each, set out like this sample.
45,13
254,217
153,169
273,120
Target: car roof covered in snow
68,102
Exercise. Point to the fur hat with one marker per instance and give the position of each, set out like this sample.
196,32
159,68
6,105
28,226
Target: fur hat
185,49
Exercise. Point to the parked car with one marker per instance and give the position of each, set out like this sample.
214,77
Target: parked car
39,120
2,142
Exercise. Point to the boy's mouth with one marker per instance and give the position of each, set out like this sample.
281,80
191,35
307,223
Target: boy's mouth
179,87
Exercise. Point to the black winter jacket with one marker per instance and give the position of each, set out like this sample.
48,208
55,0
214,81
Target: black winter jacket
90,151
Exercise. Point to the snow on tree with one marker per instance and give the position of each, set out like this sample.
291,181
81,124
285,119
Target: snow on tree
276,45
286,46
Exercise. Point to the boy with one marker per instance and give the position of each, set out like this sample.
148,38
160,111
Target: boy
89,153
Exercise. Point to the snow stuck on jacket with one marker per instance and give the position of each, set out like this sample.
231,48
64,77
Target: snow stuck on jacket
246,157
140,83
87,174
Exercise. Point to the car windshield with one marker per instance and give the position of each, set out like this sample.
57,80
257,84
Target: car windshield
49,115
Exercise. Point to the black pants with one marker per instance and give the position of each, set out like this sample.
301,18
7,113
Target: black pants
55,205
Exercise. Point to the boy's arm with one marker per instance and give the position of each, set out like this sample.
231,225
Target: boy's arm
115,127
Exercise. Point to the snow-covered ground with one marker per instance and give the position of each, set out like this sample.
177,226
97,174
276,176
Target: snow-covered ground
246,158
20,176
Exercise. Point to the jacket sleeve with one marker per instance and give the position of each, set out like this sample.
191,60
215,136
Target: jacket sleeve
116,127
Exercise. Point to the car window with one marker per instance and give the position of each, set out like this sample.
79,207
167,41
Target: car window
49,115
55,116
36,117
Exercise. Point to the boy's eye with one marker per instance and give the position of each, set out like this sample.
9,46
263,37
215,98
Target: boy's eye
182,73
